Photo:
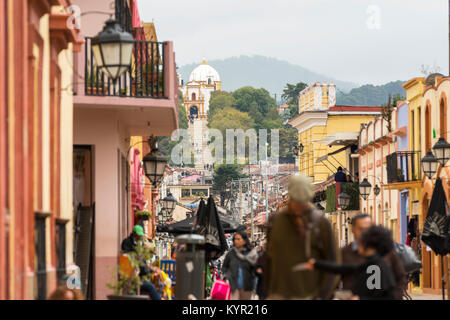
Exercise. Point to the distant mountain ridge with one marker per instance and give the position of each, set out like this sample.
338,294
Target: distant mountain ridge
370,95
262,72
273,74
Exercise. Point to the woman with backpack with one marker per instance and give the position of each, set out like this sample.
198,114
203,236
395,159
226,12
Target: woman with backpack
239,267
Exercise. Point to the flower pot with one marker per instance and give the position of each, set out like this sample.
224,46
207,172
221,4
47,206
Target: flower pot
94,90
128,297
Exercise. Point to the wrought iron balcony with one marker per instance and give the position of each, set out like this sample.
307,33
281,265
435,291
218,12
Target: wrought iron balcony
144,79
403,166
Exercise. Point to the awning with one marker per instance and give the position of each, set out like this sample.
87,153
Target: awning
340,138
325,157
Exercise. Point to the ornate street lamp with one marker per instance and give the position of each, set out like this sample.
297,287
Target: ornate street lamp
169,204
112,49
441,151
343,201
376,190
364,189
429,164
154,163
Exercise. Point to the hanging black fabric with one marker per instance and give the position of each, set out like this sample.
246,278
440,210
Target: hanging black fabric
436,229
208,224
187,226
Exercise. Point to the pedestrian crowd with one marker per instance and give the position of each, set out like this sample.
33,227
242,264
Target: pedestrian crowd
301,259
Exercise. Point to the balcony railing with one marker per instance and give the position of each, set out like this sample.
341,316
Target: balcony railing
144,79
403,166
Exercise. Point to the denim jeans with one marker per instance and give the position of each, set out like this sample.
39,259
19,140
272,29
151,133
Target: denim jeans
151,290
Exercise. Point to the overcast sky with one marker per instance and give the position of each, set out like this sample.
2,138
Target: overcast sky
363,41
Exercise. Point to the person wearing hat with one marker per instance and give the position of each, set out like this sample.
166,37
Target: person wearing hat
295,235
129,245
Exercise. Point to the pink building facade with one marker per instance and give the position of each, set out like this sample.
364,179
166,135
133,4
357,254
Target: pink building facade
106,116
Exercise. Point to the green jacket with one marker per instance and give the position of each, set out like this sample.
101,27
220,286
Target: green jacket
286,248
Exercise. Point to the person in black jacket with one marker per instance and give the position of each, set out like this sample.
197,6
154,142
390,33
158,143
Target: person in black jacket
260,266
373,279
239,267
129,245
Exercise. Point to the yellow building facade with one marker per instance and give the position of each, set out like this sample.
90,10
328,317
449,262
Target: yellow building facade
321,124
434,123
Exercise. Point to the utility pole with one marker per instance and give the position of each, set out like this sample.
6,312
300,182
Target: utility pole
240,201
267,187
250,187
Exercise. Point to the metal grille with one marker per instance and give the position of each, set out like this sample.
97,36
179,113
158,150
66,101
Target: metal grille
145,78
61,250
41,272
403,166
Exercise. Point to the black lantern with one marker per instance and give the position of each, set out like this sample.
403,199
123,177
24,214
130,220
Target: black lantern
364,189
112,49
441,151
429,164
343,201
154,163
169,203
297,149
376,190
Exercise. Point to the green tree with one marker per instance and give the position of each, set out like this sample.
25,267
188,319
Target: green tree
256,102
291,93
219,101
388,108
230,118
223,174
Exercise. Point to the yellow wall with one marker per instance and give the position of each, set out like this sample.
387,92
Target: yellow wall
65,62
314,149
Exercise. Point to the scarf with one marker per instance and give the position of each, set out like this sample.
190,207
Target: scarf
251,256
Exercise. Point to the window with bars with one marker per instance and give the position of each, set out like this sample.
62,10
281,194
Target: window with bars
40,258
60,229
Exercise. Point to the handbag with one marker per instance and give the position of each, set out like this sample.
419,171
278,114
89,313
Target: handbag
408,258
221,290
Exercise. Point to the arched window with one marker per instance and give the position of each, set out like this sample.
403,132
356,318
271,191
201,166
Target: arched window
193,96
443,118
427,128
209,81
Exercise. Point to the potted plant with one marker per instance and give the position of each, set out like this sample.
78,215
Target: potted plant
127,281
93,83
400,177
143,215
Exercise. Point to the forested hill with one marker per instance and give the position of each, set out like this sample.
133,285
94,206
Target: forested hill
370,95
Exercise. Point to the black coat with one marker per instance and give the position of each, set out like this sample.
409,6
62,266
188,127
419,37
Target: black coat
230,269
361,274
129,245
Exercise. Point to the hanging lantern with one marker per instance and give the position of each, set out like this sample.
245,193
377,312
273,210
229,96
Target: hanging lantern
344,201
429,164
364,189
112,49
376,190
441,151
169,203
154,163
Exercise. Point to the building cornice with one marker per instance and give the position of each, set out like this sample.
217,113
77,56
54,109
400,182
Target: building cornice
309,119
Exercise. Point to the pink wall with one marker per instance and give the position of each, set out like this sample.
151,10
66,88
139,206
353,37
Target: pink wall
101,129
